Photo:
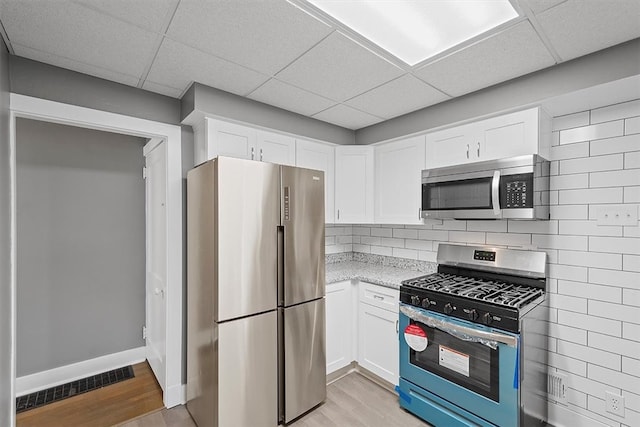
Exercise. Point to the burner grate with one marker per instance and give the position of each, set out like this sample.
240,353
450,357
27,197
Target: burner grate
492,291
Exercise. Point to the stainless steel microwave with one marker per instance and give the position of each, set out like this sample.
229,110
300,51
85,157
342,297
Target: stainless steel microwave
516,187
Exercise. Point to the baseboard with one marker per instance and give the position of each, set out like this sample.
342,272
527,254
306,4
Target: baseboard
64,374
341,372
175,395
375,378
563,416
355,367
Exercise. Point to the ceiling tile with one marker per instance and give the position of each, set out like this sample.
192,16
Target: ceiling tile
147,14
399,96
538,6
162,90
338,68
579,27
290,98
69,64
262,35
347,117
62,28
177,65
511,53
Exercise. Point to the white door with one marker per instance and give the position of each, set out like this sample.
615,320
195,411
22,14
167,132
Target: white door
398,171
354,184
339,334
231,140
156,274
378,341
275,148
314,155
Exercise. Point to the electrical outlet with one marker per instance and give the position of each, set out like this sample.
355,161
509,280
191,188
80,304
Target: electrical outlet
615,403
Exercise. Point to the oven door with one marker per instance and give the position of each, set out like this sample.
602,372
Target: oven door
451,369
464,196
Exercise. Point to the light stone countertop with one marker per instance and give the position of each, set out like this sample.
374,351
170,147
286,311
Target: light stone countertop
376,269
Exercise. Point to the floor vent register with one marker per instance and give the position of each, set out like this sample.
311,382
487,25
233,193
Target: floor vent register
73,388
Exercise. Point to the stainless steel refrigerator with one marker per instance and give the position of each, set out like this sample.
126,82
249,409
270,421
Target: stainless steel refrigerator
255,293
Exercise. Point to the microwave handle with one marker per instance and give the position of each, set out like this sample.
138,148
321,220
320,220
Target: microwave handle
495,193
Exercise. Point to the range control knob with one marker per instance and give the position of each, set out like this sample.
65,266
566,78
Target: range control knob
472,314
415,300
487,318
426,303
448,308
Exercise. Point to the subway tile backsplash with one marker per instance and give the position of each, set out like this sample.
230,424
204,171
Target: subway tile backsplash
594,270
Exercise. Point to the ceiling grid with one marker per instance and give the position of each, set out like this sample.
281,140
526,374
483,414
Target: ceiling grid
291,55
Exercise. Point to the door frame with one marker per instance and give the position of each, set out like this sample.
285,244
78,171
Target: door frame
152,145
22,106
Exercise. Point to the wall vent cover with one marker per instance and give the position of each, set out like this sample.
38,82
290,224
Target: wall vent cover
557,387
73,388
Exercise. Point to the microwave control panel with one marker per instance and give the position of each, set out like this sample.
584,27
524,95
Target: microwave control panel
516,191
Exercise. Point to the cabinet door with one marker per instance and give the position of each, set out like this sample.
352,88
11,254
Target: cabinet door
378,341
398,168
510,135
230,139
451,147
354,184
315,155
275,148
339,326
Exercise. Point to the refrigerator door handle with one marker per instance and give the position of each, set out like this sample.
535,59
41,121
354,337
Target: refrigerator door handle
280,257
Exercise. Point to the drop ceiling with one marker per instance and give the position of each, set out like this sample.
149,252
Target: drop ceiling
292,56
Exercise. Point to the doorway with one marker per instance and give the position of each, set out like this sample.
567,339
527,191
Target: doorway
163,135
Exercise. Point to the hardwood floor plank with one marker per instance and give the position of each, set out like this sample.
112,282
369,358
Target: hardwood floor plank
104,407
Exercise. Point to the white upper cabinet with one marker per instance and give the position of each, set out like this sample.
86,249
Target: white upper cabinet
219,138
275,148
398,168
319,156
515,134
354,184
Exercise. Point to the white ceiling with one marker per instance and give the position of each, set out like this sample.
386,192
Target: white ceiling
290,55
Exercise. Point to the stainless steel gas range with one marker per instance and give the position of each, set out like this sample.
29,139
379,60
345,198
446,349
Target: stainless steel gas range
474,347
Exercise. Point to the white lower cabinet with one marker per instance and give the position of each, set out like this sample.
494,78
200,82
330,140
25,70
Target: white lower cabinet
339,328
362,325
378,331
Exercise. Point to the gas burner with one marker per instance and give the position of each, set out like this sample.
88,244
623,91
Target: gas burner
492,291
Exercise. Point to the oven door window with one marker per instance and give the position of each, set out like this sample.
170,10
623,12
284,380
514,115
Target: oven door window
471,365
464,194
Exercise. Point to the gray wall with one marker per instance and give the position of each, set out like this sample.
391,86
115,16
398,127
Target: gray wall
80,244
601,67
207,100
6,405
44,81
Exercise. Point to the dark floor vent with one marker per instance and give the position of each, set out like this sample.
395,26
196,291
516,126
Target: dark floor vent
54,394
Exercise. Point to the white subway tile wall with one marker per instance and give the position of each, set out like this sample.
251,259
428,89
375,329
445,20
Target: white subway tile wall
594,270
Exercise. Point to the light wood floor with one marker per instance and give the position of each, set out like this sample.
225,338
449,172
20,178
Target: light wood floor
352,401
104,407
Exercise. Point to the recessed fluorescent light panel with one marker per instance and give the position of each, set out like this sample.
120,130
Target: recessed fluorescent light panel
414,30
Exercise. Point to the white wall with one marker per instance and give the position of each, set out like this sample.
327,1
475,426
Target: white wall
6,314
594,284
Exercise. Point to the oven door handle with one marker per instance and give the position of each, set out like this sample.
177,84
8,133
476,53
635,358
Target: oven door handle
462,332
495,193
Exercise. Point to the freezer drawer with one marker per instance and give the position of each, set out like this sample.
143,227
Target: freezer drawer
233,383
303,358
